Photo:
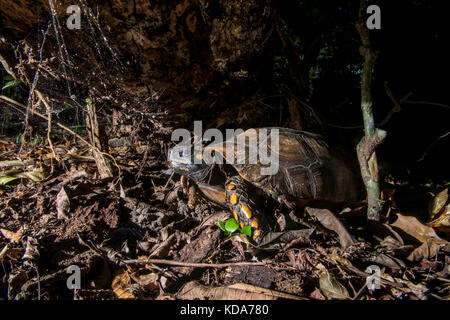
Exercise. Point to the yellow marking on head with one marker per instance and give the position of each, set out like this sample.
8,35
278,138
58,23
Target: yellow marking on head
231,187
233,199
255,224
227,182
246,210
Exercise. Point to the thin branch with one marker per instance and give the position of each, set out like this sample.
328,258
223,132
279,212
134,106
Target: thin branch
191,264
432,145
360,292
49,126
397,104
429,103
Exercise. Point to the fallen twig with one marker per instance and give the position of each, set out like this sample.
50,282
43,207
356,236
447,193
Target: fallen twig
360,292
193,265
15,163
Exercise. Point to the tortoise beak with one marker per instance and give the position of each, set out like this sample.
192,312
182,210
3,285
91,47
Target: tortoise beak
181,159
180,155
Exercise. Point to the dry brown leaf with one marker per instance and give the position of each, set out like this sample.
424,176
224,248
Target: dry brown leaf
13,237
163,249
437,204
37,175
329,221
427,250
148,281
194,290
199,248
12,253
316,294
386,260
213,219
413,227
332,288
278,240
251,288
31,250
62,204
337,258
120,284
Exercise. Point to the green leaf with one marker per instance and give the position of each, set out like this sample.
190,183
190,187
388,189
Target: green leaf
222,225
231,225
247,231
19,139
10,84
6,179
80,129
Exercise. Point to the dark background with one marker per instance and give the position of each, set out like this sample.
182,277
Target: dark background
413,57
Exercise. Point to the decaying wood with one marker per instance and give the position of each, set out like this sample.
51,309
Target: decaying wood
97,134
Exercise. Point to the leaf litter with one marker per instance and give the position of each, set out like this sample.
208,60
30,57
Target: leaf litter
148,236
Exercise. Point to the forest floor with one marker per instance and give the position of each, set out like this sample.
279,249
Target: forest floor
145,235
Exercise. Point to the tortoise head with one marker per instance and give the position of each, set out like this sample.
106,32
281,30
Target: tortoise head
181,159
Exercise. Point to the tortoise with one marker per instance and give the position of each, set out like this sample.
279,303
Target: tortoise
309,173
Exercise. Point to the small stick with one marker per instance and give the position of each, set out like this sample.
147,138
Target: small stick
356,297
191,264
49,126
432,145
167,183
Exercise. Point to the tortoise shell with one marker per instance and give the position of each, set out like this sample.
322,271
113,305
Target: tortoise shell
307,168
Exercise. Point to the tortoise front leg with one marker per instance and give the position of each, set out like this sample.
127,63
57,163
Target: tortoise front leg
242,200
